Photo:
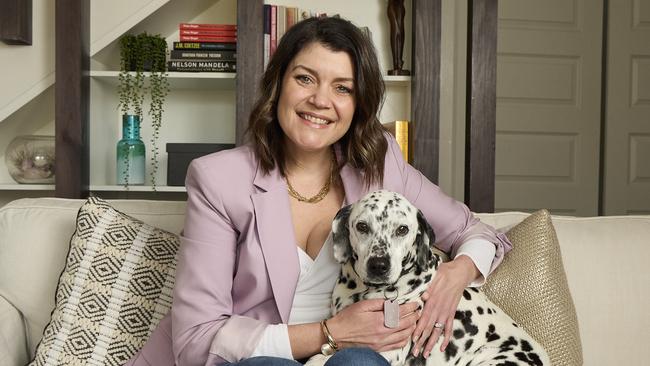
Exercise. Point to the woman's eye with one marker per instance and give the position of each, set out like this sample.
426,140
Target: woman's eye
362,227
343,89
303,79
402,230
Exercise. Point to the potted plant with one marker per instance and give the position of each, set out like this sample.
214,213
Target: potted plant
139,54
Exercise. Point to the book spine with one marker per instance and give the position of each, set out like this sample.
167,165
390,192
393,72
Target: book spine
205,46
201,66
197,26
208,39
205,55
402,137
281,22
267,34
274,29
291,17
212,33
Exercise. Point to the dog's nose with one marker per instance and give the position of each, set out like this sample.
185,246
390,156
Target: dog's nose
378,266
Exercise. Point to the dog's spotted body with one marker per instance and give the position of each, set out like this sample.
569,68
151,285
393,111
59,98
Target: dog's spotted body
384,245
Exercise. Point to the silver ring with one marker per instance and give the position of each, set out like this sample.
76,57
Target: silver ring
438,325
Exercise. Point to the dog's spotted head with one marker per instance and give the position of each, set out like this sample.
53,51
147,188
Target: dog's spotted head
382,234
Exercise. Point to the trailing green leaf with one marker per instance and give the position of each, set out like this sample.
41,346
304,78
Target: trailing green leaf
140,53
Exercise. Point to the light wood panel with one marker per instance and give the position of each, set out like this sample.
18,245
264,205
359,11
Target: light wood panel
548,105
627,142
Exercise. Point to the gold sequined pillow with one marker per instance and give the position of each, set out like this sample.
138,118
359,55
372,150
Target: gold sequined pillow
115,288
531,286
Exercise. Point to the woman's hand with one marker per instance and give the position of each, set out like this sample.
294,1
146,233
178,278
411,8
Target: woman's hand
440,303
362,324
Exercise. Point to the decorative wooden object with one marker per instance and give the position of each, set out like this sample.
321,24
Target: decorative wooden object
72,92
395,12
16,22
481,105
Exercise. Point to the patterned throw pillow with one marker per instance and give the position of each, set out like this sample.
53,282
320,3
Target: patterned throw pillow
531,286
116,286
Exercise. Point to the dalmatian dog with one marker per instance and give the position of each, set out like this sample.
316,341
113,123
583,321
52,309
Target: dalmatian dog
384,245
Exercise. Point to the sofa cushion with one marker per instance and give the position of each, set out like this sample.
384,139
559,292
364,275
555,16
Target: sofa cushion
35,239
115,288
13,348
531,286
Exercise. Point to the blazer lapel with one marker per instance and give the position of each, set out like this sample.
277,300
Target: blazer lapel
275,230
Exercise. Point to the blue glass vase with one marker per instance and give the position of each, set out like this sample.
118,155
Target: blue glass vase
130,153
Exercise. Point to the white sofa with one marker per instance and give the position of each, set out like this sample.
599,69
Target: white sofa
605,258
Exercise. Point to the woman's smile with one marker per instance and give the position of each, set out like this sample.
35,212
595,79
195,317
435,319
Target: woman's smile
312,119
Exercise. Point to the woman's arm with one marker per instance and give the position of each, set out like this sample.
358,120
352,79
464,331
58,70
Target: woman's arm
203,328
454,225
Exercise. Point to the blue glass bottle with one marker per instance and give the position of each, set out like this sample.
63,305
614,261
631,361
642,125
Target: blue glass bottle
130,152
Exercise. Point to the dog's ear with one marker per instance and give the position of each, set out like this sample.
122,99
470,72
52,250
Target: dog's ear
423,241
341,235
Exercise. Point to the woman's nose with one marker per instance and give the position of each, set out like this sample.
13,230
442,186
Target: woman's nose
320,98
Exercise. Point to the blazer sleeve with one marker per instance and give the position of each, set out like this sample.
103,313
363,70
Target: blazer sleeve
204,330
451,221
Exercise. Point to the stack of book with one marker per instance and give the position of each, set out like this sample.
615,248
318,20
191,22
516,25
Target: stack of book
204,48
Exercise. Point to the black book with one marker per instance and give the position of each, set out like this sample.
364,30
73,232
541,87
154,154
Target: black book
203,55
215,46
201,66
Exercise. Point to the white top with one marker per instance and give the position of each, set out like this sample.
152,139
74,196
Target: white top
312,300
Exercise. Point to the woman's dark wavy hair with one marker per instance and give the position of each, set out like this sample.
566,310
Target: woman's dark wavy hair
364,145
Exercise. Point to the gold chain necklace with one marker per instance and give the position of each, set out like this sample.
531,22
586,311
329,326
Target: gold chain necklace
318,196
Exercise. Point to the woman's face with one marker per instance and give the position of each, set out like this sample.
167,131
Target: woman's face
316,101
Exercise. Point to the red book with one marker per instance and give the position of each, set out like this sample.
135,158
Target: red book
274,30
208,39
197,26
209,33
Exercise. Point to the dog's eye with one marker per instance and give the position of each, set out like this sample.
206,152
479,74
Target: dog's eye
362,227
402,230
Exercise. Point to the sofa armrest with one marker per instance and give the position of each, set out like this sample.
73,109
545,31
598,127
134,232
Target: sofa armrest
13,341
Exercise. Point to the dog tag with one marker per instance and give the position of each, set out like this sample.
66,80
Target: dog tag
391,314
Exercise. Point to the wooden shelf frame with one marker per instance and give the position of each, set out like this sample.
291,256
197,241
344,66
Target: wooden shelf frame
72,101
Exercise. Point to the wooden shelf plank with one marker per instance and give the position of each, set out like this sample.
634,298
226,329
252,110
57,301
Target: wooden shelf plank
26,187
180,80
116,188
397,80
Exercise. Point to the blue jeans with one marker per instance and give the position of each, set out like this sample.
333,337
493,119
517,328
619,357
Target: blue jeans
345,357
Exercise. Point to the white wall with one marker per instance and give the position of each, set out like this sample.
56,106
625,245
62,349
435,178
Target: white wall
28,70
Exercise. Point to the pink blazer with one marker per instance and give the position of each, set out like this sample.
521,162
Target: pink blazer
238,265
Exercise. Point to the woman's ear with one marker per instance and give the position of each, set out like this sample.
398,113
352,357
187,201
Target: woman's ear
423,241
341,235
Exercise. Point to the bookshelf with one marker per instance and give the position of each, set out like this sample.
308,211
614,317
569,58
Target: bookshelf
86,121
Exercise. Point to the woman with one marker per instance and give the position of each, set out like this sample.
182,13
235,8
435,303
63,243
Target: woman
255,269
